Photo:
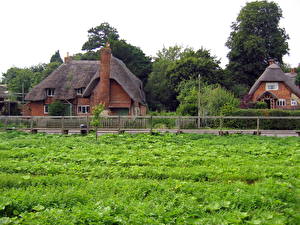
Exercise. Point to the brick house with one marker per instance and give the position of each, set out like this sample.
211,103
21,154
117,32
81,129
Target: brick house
82,84
276,88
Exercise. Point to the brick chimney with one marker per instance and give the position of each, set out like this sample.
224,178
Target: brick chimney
68,58
293,70
104,86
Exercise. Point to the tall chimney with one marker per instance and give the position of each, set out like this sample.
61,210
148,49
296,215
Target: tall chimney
104,86
68,58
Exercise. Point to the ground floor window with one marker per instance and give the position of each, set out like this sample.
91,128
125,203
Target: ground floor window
46,109
281,102
294,102
83,109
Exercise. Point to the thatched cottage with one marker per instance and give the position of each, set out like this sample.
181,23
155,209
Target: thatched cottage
83,84
276,88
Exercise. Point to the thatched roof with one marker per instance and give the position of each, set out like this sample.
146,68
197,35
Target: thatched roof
82,73
273,73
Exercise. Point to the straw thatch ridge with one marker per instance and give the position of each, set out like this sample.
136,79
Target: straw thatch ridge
83,73
273,73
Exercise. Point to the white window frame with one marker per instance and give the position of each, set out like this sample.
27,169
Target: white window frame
274,86
46,109
79,91
294,102
86,109
281,102
50,91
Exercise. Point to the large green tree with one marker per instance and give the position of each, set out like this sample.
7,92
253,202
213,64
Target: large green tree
255,38
175,65
132,56
99,35
56,57
195,63
159,94
21,80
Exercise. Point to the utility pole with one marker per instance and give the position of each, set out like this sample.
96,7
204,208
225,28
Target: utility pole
199,101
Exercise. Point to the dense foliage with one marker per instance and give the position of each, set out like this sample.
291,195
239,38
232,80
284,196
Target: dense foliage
98,36
144,179
21,80
255,38
213,99
271,124
56,57
175,65
134,58
57,108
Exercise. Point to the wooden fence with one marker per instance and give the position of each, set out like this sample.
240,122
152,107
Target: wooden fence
153,122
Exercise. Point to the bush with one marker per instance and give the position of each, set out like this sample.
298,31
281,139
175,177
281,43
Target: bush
267,124
57,108
260,105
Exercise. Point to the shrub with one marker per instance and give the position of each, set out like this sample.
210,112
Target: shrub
57,108
282,124
260,105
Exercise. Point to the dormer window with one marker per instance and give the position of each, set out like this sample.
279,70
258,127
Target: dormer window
50,91
272,86
79,91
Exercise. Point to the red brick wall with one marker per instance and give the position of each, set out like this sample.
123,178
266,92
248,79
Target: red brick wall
118,97
37,108
283,92
81,101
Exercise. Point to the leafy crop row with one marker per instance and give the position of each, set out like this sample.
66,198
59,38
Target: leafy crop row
144,179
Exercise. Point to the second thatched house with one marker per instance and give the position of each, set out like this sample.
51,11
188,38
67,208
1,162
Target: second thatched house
276,88
83,84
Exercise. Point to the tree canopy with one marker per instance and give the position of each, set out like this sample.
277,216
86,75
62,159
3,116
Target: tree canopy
255,38
99,35
22,79
134,58
175,65
56,57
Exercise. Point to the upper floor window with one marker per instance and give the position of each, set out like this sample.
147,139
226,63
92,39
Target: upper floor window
271,86
281,102
294,102
50,91
79,91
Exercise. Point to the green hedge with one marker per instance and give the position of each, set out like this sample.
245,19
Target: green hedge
279,124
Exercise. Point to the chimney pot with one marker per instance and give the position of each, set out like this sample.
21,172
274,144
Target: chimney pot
271,61
68,58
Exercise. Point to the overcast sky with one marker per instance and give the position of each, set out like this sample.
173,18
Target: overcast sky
32,30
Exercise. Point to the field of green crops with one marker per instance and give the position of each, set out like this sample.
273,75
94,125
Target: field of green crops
148,179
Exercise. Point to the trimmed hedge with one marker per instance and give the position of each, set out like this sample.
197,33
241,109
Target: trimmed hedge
271,124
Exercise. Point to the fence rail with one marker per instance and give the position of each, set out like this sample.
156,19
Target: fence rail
154,122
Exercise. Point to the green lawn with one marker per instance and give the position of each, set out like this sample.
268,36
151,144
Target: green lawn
144,179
